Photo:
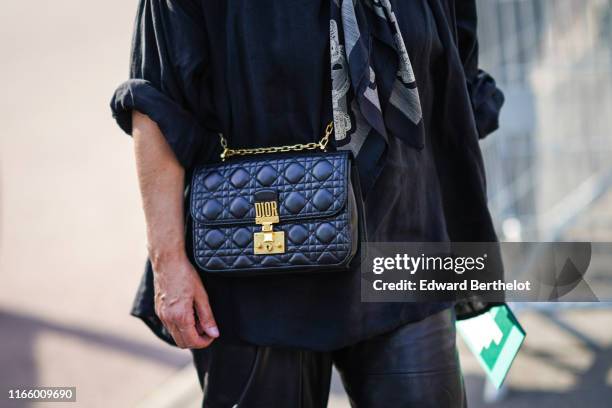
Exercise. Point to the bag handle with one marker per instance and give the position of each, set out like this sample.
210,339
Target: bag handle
321,144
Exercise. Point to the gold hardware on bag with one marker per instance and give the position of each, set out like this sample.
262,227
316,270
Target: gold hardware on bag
267,241
321,144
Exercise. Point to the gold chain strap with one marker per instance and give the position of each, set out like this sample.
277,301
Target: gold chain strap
321,144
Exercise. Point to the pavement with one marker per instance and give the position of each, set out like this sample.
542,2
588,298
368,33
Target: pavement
72,242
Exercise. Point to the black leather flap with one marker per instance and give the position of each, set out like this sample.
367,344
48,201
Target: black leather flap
306,185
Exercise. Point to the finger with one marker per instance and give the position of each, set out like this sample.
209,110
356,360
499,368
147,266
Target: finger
202,333
205,319
168,323
186,323
192,339
176,335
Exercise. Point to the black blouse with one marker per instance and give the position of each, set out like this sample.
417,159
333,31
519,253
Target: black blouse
259,73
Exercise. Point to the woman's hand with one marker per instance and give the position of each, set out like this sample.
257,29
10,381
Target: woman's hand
182,304
180,299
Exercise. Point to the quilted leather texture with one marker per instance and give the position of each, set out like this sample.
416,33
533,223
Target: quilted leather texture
313,207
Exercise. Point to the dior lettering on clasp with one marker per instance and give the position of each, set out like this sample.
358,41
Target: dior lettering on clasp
267,241
266,209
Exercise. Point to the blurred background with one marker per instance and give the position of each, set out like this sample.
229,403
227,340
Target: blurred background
72,241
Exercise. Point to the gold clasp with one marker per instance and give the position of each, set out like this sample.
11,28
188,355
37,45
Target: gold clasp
267,241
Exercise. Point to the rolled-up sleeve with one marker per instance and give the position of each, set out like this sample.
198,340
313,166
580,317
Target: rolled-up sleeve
167,67
487,99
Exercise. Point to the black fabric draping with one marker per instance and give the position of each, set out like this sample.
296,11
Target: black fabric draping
259,73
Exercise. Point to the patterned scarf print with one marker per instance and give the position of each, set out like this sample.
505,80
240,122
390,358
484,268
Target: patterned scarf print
360,31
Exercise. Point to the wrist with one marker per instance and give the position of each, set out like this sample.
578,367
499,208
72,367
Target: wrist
166,255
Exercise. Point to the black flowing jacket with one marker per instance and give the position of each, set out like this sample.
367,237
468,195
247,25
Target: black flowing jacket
259,72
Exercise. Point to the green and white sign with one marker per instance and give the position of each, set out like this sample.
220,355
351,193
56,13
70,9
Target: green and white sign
495,338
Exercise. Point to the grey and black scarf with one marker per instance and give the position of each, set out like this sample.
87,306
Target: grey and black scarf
371,102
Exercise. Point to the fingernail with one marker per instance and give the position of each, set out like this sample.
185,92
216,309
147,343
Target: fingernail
212,331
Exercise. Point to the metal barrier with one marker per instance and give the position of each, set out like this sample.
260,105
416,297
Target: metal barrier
550,160
549,167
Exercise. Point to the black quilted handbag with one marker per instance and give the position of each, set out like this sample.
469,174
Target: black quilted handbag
282,211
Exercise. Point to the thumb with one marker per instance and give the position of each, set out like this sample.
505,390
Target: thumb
206,320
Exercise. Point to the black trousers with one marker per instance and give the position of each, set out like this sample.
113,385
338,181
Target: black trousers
414,366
